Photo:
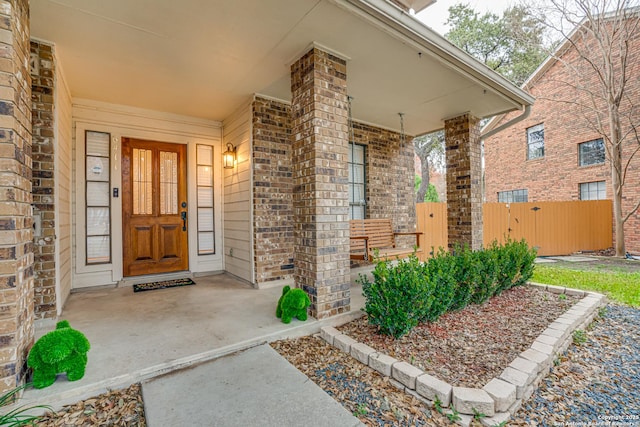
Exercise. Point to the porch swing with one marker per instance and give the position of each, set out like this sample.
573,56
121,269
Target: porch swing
374,238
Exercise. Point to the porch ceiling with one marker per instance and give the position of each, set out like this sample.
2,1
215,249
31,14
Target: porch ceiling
205,58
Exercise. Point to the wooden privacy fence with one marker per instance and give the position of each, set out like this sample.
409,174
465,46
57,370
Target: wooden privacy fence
555,228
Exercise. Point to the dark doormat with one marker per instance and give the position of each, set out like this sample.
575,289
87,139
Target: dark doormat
141,287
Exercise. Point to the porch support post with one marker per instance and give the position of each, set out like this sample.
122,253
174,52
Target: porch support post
320,195
464,181
16,252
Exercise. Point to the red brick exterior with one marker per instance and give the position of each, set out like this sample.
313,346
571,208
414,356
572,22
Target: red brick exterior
557,175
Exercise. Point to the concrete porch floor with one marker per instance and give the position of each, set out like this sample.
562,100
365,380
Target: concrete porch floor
138,336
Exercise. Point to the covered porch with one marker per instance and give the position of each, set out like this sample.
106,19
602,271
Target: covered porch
289,87
139,336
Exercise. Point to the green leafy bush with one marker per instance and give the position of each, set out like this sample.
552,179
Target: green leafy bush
487,265
398,297
465,279
442,271
403,295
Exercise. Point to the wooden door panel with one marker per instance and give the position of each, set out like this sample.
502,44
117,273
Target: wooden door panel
154,234
170,241
142,243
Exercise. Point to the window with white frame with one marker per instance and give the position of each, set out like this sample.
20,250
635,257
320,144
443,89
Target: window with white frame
206,232
596,190
98,200
357,201
591,152
513,196
535,142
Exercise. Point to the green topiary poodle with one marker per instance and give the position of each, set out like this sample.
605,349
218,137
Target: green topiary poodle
293,303
61,350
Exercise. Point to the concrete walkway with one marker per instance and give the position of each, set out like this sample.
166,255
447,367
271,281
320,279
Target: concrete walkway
136,337
256,387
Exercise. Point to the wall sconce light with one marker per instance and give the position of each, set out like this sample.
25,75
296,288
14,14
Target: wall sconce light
229,157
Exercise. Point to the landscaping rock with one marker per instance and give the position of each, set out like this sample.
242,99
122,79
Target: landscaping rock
549,340
537,357
519,379
555,289
432,388
467,400
382,363
327,333
361,352
542,347
498,419
406,374
527,366
502,393
343,342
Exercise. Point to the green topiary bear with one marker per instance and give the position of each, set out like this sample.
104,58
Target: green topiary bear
61,350
293,303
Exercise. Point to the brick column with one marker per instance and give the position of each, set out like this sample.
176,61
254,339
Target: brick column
16,252
43,94
464,181
320,195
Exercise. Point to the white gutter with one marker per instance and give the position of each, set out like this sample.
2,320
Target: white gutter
397,22
521,117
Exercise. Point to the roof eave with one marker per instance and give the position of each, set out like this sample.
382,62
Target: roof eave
383,13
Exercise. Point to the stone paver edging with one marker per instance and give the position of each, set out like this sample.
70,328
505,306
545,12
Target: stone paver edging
501,397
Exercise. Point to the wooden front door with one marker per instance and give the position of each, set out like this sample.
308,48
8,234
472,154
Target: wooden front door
154,207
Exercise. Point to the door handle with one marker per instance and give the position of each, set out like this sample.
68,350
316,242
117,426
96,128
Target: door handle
183,215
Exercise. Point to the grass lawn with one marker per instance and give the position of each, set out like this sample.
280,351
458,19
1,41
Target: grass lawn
619,287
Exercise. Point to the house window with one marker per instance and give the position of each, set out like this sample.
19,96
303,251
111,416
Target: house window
357,202
591,152
513,196
98,206
596,190
206,234
535,142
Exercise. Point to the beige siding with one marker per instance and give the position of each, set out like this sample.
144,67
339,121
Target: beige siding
63,174
237,197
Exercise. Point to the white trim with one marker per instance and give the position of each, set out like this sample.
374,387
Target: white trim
123,121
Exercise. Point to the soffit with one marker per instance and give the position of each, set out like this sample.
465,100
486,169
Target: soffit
205,58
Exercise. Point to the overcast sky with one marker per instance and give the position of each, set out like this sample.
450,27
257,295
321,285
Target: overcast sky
436,15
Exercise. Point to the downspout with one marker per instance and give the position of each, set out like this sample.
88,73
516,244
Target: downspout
524,115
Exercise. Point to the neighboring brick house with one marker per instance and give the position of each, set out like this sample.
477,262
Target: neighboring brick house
553,154
147,143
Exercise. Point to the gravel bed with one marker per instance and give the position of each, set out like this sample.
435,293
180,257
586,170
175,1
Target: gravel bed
122,407
597,381
594,383
360,389
470,347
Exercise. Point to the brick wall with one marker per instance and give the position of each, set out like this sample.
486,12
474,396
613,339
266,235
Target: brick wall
16,253
464,181
389,174
557,175
272,190
42,96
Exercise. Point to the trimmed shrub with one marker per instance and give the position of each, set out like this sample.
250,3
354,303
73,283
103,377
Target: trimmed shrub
398,297
465,278
487,264
403,295
442,271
